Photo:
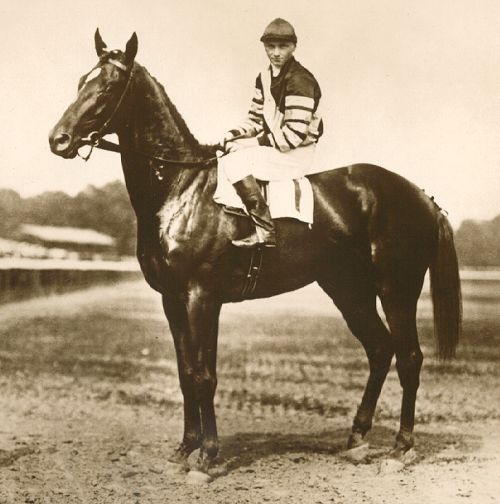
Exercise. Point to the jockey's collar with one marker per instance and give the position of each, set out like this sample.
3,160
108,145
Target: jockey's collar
275,71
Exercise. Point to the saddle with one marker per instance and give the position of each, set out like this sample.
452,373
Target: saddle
286,198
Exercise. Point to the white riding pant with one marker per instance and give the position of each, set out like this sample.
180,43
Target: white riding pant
267,163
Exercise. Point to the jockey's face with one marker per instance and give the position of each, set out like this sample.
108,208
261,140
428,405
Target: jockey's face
279,52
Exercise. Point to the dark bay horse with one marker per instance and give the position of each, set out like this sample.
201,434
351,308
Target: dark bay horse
374,235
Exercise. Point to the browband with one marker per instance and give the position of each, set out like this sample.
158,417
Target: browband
118,64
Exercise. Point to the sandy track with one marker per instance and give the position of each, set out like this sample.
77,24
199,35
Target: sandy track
90,406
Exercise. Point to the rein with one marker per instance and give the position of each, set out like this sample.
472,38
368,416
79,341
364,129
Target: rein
106,145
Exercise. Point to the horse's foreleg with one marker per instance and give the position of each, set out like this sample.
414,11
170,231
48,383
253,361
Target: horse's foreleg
175,310
203,317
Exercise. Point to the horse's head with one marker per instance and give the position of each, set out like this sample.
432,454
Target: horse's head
101,93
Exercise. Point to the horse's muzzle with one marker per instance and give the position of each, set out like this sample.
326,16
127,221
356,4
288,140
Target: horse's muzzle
61,144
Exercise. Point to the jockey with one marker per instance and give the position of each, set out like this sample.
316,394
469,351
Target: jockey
277,139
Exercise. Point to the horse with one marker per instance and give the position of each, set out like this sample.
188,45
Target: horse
375,234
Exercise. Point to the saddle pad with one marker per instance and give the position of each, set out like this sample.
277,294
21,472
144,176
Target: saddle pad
286,198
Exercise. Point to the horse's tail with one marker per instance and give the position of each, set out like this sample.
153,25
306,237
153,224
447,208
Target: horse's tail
445,291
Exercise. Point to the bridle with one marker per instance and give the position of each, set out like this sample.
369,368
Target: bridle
95,138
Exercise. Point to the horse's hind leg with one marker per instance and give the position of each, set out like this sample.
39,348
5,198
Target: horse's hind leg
376,340
401,311
350,287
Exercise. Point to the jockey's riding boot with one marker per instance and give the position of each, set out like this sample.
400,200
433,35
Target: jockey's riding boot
265,235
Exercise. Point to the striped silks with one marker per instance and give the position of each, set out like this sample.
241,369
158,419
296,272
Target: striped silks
302,102
254,122
296,120
293,122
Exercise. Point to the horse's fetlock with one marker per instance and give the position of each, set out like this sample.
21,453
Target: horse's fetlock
191,442
211,448
362,422
405,439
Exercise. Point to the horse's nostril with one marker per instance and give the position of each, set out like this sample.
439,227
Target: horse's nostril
62,139
60,142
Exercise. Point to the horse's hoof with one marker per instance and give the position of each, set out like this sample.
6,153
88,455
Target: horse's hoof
404,444
410,456
398,459
357,454
198,478
218,470
406,457
201,465
180,458
355,440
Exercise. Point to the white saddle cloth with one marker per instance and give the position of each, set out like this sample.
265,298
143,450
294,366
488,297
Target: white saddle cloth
286,198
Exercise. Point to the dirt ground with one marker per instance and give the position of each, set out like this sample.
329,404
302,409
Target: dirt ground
90,406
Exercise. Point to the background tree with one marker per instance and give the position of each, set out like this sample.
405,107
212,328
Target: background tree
106,209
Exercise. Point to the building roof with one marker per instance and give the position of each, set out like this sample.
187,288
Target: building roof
67,235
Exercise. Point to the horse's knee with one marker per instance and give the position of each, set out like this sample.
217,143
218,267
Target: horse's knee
380,357
205,384
187,381
409,369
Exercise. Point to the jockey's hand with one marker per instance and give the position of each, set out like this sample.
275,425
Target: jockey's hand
227,138
242,143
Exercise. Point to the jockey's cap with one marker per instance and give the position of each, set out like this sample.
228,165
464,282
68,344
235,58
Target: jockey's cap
279,30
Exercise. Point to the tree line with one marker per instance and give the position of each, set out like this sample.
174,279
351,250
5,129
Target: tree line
478,243
107,209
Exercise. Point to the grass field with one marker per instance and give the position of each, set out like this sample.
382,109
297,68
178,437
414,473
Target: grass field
88,378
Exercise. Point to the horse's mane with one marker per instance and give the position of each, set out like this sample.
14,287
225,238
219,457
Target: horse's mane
204,150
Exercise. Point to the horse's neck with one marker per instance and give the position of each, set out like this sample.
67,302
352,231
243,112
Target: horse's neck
154,127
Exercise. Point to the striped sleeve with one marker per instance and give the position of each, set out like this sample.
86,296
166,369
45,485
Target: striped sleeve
253,124
298,114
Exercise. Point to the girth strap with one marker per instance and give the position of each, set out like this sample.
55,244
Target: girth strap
253,272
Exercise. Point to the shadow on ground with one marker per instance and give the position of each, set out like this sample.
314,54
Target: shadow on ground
245,449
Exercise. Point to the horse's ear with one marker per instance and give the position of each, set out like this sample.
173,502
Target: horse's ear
100,46
131,49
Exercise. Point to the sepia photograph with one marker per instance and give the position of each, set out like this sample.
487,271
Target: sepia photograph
250,252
